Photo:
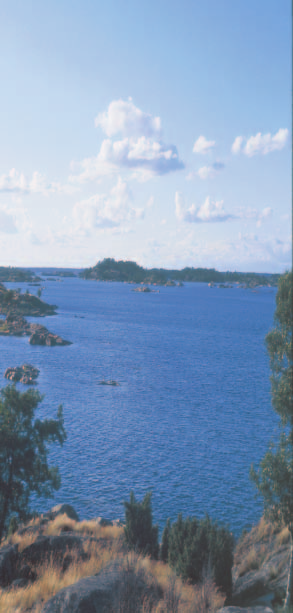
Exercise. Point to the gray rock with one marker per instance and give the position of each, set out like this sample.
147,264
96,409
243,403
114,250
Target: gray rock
91,595
56,546
60,509
101,521
8,561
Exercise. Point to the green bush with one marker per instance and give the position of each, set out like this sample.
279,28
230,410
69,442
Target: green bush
197,547
139,531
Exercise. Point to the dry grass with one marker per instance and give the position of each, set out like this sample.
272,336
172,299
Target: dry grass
147,586
62,523
165,592
23,540
250,562
51,579
283,537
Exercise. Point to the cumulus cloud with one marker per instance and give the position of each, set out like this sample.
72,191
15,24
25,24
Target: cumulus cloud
236,147
141,148
260,143
202,145
7,221
14,220
208,212
123,117
209,172
102,211
15,182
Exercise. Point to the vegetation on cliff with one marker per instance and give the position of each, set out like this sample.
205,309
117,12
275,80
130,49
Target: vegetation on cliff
127,271
23,452
274,478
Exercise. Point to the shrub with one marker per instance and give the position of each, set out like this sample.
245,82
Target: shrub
197,547
140,534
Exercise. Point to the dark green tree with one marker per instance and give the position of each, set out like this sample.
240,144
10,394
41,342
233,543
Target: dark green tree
164,549
197,547
274,478
23,452
139,531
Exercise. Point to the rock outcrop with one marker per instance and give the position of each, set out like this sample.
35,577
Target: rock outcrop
91,595
25,374
16,325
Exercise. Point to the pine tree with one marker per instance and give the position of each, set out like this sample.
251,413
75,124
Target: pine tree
23,452
139,531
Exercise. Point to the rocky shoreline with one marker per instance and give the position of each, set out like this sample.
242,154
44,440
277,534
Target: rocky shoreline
16,325
15,305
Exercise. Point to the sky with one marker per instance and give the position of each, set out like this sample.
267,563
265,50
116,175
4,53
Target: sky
156,131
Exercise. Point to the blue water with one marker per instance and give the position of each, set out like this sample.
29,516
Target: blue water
193,409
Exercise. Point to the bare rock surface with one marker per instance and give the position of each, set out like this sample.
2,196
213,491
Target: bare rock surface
8,561
91,595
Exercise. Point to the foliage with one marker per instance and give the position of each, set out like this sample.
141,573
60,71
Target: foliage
197,547
164,549
112,270
23,452
139,531
274,478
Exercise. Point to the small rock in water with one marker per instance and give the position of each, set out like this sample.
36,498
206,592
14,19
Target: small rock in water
26,374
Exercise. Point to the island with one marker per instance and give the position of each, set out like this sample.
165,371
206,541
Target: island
16,275
130,272
26,374
14,306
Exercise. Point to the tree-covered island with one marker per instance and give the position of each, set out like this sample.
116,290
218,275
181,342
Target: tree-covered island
130,272
14,305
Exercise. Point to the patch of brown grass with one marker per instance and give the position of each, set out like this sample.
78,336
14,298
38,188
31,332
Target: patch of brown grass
51,579
283,537
250,562
94,529
23,540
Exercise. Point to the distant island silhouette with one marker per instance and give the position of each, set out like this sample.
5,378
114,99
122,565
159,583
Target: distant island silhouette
130,272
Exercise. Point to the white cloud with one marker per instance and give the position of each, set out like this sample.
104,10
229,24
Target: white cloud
7,221
144,155
206,213
14,220
15,182
123,117
260,143
141,148
102,211
202,145
209,172
236,147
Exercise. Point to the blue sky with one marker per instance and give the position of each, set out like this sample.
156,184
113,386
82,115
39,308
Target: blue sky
153,131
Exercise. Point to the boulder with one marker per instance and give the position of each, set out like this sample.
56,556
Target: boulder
56,546
91,595
103,522
8,561
116,588
60,509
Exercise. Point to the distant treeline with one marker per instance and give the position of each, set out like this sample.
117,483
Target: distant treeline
112,270
16,275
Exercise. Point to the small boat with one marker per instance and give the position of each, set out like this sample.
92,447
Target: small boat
110,382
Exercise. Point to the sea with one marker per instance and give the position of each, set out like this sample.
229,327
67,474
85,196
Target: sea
192,410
